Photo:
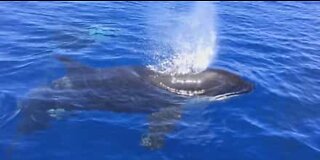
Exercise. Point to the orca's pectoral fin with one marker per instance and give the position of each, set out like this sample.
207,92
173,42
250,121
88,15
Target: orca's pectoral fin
160,123
73,67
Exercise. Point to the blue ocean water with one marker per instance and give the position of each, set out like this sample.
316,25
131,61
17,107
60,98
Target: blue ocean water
274,45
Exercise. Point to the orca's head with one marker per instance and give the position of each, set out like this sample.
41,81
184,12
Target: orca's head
222,84
214,83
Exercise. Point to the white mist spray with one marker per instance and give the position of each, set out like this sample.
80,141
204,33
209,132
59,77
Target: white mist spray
189,40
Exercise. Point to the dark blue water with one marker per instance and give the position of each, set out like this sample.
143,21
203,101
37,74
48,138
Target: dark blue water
275,45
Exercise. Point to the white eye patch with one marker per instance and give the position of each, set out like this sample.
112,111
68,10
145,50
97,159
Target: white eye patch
187,81
182,92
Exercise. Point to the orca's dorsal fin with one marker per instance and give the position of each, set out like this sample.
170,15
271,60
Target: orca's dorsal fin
72,66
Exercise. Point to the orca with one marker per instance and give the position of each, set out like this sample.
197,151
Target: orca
129,89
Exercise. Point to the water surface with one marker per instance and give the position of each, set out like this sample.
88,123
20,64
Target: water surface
275,45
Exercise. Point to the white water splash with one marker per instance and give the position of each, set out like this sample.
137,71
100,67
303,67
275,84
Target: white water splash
188,39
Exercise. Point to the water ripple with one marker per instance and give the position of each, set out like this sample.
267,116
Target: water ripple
274,45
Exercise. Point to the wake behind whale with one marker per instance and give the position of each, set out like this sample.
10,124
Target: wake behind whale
130,89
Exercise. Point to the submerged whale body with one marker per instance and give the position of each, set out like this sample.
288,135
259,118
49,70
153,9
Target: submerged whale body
132,89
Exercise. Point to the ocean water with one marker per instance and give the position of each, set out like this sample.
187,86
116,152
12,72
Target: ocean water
274,45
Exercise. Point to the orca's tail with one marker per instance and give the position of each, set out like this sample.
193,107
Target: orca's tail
9,108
